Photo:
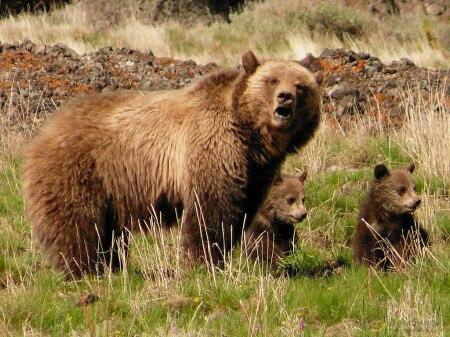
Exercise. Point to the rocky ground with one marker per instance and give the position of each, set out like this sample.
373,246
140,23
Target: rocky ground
36,79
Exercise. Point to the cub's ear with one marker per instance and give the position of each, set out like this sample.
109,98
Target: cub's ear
411,167
249,62
277,179
302,175
380,171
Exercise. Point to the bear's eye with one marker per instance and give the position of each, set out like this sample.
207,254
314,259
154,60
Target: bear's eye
291,200
301,89
415,188
401,190
273,80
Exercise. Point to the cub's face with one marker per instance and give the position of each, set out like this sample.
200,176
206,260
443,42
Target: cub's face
286,198
282,92
395,190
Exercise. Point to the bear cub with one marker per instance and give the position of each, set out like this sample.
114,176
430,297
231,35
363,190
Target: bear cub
271,235
393,237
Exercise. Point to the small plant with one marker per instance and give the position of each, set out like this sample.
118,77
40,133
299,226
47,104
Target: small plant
312,263
338,19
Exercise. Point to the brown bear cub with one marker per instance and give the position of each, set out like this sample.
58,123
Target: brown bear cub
393,236
109,161
271,235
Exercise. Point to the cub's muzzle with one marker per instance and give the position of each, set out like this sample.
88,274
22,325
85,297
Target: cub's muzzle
298,217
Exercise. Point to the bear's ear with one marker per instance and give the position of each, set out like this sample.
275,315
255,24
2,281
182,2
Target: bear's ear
411,167
380,171
302,175
249,62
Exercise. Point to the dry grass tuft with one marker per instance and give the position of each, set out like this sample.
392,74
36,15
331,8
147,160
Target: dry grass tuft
68,25
425,134
413,314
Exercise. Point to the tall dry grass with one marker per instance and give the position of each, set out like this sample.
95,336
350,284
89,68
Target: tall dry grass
69,25
413,313
284,28
425,135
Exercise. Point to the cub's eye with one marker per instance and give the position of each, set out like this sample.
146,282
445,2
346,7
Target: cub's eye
415,188
303,200
401,190
273,80
291,200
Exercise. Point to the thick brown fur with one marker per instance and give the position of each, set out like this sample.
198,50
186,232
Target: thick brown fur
110,161
395,236
271,235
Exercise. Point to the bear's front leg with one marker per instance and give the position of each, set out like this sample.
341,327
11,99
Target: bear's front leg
211,226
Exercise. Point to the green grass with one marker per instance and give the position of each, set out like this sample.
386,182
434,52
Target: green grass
243,299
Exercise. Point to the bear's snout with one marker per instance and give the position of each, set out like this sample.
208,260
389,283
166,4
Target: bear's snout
299,216
412,206
417,203
302,216
285,107
285,98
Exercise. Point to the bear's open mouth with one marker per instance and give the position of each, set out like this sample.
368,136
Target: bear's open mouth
283,111
410,209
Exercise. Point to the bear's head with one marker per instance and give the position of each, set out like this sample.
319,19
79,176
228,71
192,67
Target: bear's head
286,198
283,94
394,190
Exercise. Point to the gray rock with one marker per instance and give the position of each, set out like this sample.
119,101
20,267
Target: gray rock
371,70
105,50
435,9
363,55
318,77
340,91
389,70
27,45
41,49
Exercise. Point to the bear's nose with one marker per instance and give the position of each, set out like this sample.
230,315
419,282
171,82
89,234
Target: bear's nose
300,216
303,216
417,203
285,97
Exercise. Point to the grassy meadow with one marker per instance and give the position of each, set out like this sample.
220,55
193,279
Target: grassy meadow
155,295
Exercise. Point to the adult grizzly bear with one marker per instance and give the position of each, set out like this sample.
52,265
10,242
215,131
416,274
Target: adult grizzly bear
271,235
211,149
393,236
